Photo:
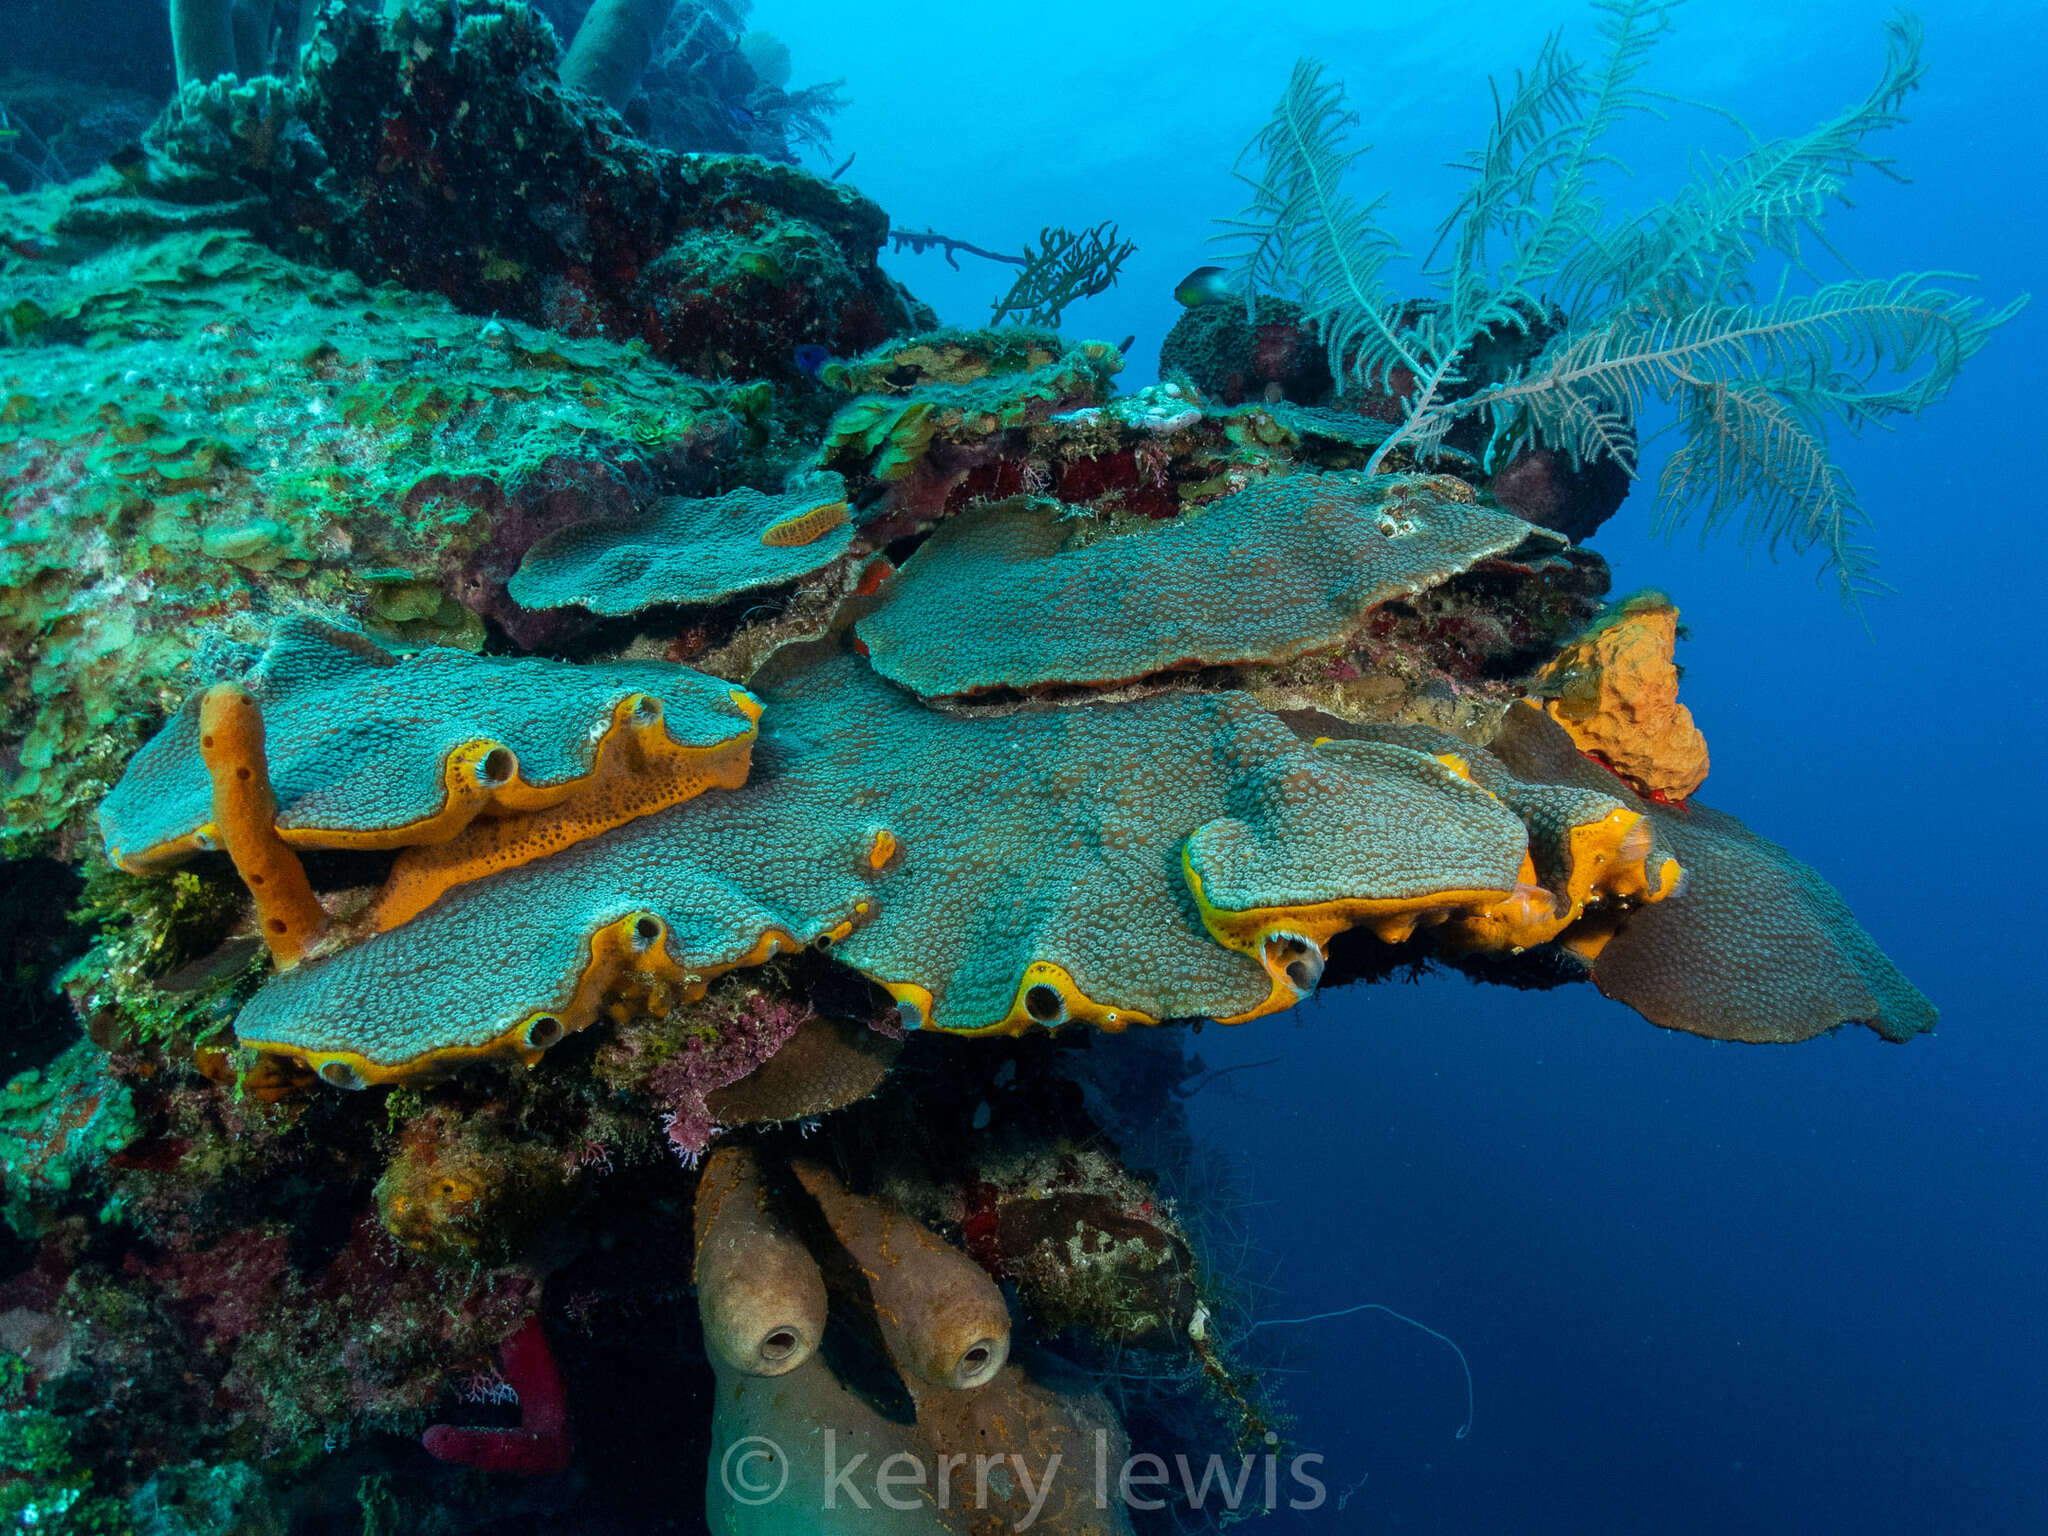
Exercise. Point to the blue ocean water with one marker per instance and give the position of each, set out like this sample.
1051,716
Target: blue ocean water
1702,1287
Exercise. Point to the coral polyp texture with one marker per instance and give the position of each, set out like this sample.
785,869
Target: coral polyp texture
684,550
1027,594
1587,847
370,751
991,873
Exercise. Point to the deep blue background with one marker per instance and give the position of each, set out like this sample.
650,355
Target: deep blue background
1702,1287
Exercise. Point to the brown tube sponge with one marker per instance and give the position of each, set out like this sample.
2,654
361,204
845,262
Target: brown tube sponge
758,1289
202,39
613,47
943,1319
245,819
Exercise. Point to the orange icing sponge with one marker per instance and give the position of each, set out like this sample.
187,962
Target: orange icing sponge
1615,689
639,768
1589,846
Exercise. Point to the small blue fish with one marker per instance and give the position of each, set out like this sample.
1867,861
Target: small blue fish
811,358
1204,285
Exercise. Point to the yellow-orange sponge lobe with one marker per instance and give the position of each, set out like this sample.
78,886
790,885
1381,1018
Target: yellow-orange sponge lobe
367,750
1615,690
806,527
640,768
244,811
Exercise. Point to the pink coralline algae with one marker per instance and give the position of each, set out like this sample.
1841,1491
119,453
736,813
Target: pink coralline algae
756,1028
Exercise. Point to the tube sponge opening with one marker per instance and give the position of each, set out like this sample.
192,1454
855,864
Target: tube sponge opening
943,1318
758,1290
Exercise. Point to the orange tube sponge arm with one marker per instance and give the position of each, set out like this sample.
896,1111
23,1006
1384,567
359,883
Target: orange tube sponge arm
758,1289
943,1318
244,817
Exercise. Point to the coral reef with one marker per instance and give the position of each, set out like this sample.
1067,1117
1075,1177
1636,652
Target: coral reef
1270,355
722,264
517,597
200,435
896,876
689,551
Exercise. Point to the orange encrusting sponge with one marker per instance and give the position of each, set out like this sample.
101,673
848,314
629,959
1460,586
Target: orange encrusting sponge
1615,691
806,527
639,769
245,820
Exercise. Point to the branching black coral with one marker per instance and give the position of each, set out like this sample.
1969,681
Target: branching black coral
1661,307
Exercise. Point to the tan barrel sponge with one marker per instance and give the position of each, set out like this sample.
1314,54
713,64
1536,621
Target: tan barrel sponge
769,1459
612,48
943,1318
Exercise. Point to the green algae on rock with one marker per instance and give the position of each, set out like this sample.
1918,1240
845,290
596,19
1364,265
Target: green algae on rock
886,437
951,355
1024,595
58,1126
198,433
684,550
